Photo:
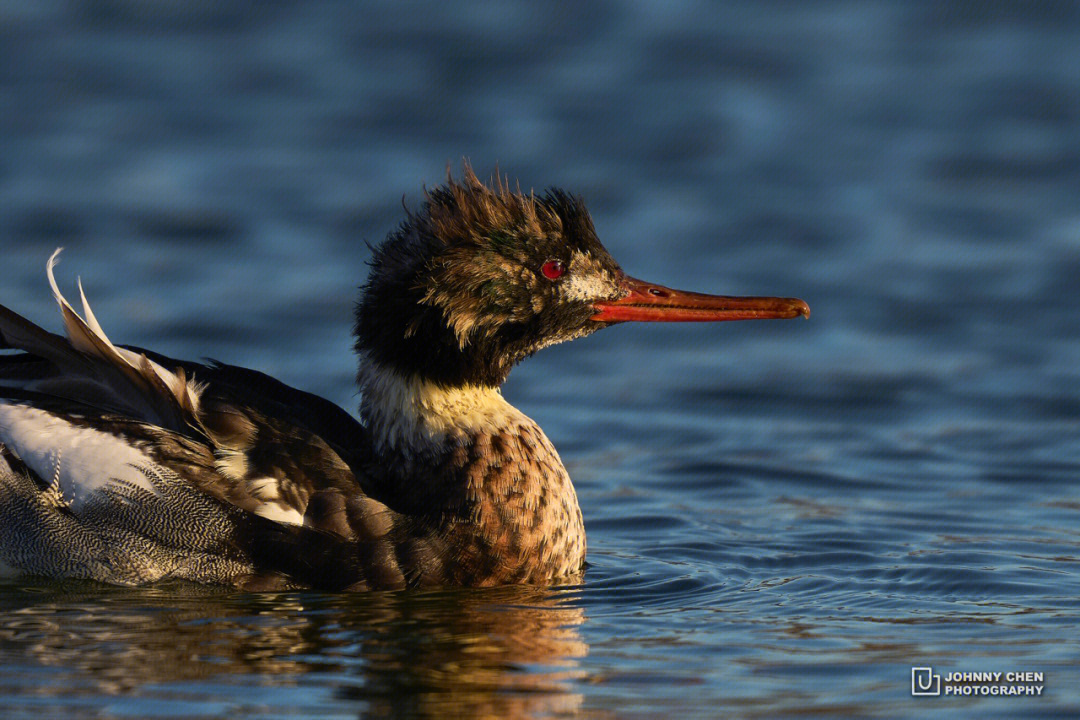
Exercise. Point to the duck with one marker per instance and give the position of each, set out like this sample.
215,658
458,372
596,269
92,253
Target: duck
123,466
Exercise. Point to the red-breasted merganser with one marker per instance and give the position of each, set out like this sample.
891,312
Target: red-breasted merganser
124,466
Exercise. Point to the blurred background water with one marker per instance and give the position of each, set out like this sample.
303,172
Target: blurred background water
783,517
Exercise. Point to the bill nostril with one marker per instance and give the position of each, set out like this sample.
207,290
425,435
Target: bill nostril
657,292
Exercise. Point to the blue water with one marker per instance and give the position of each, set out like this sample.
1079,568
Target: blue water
783,517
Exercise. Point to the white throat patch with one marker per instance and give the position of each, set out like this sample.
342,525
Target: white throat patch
414,413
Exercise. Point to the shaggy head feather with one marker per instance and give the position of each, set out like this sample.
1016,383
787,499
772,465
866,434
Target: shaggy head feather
458,295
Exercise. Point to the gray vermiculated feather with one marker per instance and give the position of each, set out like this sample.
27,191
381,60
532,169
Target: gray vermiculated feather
125,535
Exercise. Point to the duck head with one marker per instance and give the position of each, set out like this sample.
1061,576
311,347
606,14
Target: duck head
481,277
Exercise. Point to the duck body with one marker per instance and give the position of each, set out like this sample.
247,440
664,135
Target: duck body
282,489
124,466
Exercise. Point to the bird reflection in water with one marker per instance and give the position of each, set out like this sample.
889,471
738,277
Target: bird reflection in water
503,652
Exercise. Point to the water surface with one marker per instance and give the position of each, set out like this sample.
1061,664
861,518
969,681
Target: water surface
783,517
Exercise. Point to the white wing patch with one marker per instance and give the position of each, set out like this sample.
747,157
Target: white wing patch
79,461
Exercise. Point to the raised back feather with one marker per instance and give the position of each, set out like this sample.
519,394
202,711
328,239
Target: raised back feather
93,371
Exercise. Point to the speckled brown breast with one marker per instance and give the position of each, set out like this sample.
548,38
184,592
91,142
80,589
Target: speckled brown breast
487,509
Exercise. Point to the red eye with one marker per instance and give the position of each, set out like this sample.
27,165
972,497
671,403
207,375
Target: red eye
553,269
